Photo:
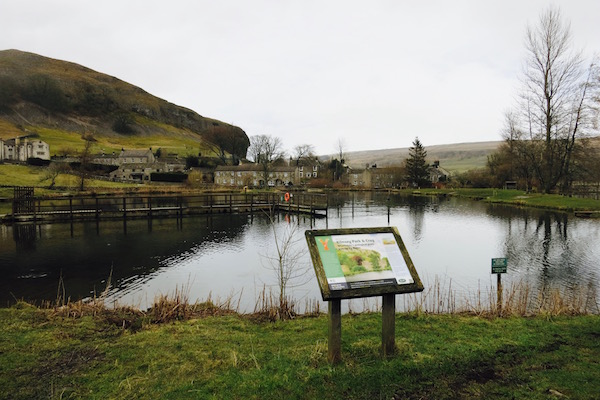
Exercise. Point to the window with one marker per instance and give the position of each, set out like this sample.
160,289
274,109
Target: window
301,174
314,167
314,174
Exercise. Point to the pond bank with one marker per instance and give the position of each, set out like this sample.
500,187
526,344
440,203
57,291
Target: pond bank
580,206
45,354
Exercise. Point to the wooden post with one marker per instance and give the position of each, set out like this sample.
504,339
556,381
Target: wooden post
124,208
71,208
388,325
334,354
499,294
97,210
150,207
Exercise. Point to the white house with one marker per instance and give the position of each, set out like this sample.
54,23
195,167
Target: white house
20,149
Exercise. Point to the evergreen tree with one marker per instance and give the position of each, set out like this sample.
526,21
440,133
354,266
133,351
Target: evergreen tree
417,169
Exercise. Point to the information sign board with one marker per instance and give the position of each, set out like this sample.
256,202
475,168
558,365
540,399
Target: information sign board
499,265
361,262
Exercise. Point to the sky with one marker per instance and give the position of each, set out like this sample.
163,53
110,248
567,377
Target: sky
369,74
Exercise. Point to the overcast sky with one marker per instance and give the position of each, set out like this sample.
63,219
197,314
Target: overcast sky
374,73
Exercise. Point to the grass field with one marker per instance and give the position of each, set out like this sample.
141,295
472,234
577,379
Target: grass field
518,198
50,353
62,142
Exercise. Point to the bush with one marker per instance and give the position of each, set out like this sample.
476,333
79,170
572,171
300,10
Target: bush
123,124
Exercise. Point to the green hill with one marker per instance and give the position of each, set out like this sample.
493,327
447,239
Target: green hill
456,158
60,102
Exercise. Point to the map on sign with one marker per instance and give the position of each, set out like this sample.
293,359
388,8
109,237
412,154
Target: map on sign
358,261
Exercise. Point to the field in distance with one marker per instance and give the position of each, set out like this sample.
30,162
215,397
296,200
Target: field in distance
455,158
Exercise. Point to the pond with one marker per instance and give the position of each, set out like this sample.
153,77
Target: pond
228,256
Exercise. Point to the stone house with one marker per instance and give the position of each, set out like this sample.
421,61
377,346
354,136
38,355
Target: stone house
308,169
375,178
21,149
253,175
125,157
437,174
137,171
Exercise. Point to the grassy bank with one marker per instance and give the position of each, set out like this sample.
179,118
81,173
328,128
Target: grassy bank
517,197
50,353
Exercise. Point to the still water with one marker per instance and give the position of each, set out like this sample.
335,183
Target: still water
451,242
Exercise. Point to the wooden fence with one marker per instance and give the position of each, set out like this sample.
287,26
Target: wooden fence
153,206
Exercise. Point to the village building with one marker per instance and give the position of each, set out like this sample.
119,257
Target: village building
125,157
308,169
438,174
138,165
253,175
21,149
136,172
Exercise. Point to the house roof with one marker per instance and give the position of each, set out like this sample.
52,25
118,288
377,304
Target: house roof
254,167
135,153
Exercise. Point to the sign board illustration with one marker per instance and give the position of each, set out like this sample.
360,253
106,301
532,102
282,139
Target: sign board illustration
361,262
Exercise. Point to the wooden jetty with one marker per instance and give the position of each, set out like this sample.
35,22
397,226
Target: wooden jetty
69,208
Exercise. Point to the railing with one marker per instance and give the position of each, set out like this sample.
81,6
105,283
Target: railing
150,206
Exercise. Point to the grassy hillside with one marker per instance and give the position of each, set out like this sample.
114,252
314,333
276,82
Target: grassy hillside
60,101
455,158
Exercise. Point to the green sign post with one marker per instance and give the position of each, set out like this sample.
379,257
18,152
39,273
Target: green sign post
499,267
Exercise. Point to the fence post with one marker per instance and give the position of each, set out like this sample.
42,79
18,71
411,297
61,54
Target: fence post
334,342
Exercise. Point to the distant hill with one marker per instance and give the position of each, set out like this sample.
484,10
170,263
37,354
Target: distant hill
455,158
59,101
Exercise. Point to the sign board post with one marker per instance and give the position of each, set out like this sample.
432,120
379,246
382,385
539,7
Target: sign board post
499,267
361,262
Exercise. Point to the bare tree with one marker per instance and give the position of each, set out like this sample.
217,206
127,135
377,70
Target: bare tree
224,141
553,110
265,150
85,159
340,147
52,172
286,260
303,152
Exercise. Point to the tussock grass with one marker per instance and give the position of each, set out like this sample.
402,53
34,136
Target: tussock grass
519,299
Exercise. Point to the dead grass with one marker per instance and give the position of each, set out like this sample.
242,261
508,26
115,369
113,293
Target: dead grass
519,299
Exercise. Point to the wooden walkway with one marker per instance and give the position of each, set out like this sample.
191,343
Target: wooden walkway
155,206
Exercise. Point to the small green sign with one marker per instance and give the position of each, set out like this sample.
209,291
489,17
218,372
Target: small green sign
499,265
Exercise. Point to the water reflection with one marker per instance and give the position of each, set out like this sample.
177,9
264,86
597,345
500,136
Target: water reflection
449,240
